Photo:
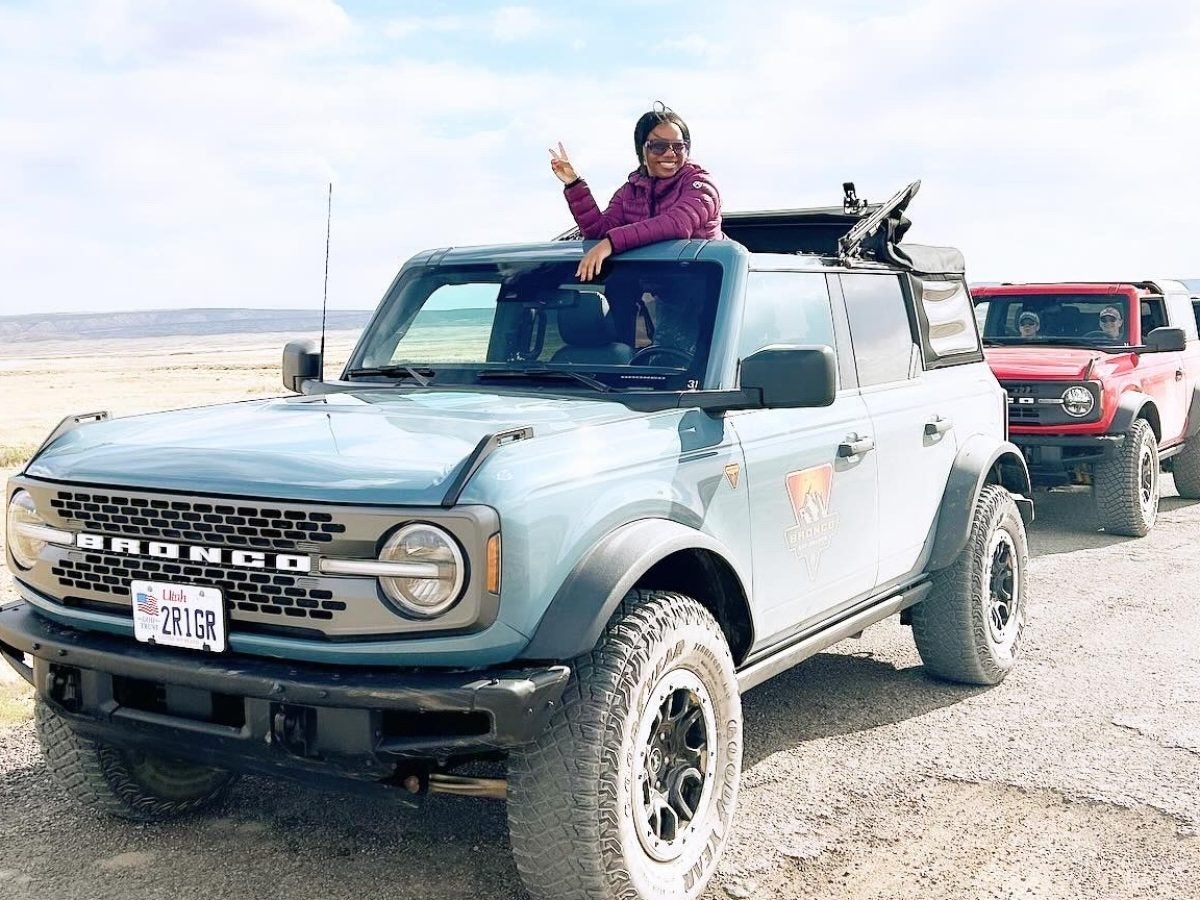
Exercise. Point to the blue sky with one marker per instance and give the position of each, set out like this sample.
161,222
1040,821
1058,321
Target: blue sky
174,153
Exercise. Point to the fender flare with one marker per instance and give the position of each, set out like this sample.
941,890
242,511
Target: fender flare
1130,408
1193,417
579,610
978,457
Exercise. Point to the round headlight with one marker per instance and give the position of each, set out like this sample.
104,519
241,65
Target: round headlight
1078,401
23,511
436,553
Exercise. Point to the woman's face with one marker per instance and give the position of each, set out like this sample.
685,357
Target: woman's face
667,163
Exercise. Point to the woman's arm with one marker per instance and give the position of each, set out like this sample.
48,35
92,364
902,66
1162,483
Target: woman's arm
698,205
592,223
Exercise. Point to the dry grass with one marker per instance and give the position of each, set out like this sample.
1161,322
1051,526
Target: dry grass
16,702
13,455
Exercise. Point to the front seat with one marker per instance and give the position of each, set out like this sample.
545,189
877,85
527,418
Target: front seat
589,334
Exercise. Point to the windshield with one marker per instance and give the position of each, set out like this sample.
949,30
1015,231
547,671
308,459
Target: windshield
647,325
1083,320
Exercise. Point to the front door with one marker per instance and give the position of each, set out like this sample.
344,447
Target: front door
813,517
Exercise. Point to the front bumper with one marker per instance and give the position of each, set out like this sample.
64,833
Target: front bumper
1051,457
257,715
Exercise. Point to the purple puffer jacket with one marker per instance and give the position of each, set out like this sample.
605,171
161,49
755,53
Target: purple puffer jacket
645,210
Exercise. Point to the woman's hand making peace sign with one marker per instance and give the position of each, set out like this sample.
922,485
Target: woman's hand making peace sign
561,166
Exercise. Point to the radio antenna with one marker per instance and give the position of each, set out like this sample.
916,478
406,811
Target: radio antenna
325,297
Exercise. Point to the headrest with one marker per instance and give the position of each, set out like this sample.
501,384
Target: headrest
587,323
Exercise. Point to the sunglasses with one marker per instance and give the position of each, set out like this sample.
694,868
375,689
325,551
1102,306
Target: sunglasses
659,148
1027,322
1109,319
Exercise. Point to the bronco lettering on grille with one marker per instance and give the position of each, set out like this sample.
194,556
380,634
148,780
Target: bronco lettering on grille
248,559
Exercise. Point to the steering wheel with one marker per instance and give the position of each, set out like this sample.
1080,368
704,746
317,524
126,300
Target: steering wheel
645,356
1100,336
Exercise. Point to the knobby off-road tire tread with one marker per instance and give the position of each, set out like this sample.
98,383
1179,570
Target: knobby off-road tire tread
1186,469
97,776
559,830
950,626
1118,508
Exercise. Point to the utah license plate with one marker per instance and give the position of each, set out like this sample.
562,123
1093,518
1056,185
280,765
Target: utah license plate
178,615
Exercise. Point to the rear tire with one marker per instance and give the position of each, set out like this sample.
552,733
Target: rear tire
126,784
630,791
1128,484
1186,469
969,628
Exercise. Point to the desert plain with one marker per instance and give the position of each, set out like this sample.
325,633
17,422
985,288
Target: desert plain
1077,777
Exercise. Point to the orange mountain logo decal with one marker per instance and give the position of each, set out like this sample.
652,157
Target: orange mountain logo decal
810,491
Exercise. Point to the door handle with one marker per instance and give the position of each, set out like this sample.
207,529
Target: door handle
854,445
1179,374
937,425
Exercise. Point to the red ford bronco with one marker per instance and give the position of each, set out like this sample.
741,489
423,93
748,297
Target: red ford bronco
1103,382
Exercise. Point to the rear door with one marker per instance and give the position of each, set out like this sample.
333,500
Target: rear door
813,518
916,416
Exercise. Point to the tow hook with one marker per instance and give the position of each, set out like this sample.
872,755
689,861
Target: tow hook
459,785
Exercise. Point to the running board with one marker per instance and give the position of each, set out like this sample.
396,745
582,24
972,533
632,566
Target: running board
795,654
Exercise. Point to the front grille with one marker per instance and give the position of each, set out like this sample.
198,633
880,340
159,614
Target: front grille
1023,414
197,522
246,591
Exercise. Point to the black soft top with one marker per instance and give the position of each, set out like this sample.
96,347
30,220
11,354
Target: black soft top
855,232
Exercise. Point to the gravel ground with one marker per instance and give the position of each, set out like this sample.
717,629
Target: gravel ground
1078,777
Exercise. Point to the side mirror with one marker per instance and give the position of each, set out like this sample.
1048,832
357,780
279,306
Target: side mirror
791,377
1164,339
301,363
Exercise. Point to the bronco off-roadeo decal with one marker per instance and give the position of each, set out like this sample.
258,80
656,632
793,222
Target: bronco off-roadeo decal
246,559
810,491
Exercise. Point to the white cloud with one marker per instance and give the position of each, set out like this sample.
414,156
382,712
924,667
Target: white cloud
176,160
512,23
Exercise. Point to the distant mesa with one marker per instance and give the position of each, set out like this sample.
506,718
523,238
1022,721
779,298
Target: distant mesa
170,322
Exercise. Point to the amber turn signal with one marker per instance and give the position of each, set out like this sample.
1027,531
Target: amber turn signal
493,564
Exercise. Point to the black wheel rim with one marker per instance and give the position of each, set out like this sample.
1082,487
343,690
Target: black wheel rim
1003,585
675,762
1147,480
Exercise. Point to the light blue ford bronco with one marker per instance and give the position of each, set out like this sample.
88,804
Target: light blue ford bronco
550,524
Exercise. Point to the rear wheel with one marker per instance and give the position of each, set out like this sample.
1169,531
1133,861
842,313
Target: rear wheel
126,784
969,628
630,792
1186,469
1127,484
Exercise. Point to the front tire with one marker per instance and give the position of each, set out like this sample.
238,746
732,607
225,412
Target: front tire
126,784
1127,485
969,629
630,792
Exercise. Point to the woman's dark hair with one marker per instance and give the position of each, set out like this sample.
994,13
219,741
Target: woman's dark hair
649,121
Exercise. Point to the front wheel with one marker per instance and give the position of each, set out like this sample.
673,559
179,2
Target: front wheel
126,784
1127,484
630,792
969,628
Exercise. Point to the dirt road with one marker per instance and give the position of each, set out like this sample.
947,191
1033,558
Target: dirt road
1079,777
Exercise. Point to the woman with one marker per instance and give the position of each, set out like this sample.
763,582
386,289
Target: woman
666,197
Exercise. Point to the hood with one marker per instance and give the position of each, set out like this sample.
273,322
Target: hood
1048,363
383,447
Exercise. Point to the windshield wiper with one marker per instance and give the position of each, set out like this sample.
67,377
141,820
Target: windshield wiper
421,376
548,374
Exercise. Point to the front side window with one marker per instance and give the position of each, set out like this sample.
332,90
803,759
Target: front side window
648,325
786,308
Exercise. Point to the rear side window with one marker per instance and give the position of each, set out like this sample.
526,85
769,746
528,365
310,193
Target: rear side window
945,321
879,328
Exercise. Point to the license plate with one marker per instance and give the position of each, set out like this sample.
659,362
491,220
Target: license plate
178,615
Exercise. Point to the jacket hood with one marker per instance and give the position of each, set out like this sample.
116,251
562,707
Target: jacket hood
386,447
